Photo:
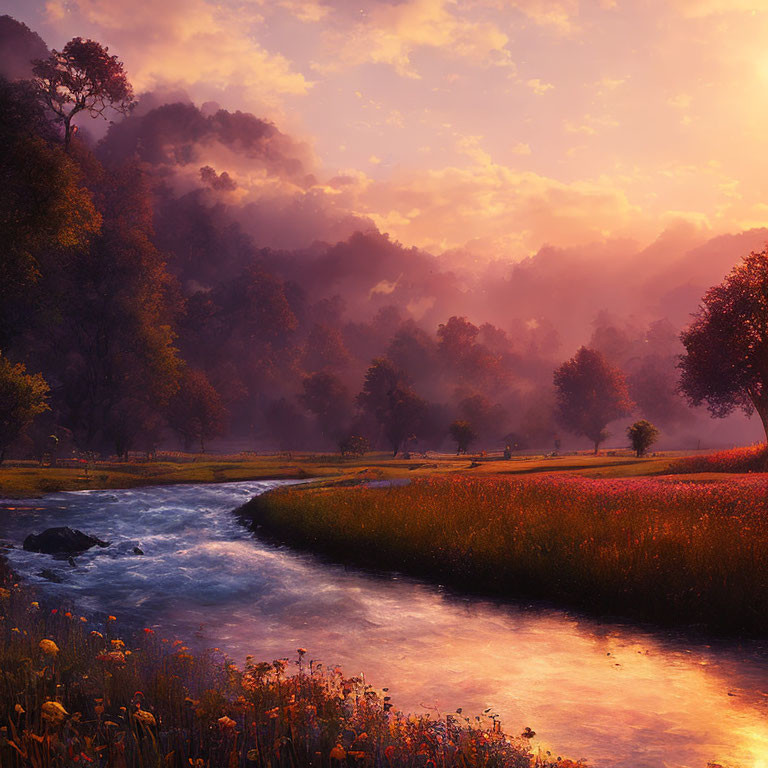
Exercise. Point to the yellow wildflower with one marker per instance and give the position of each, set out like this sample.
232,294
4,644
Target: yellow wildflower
227,723
144,717
54,712
48,647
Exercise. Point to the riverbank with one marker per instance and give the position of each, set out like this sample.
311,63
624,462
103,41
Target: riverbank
78,692
29,480
648,549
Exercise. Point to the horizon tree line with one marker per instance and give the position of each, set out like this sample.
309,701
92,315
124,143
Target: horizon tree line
125,347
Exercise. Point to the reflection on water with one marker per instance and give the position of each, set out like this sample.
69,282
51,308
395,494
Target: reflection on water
606,692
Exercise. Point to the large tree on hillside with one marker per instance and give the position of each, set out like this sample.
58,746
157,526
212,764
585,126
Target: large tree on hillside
590,394
112,343
725,364
45,210
82,77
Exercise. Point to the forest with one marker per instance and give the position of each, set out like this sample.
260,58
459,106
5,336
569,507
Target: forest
145,303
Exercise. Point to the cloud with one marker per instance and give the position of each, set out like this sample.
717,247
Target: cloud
703,8
508,211
557,14
539,87
385,287
390,33
184,42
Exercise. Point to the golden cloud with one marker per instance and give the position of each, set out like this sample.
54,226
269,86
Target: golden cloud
391,33
184,42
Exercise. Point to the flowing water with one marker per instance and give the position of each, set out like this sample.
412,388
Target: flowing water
612,693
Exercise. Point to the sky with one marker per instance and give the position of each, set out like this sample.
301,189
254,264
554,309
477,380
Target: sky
488,128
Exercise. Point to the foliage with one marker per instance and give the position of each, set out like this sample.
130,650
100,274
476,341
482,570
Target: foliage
196,412
726,346
82,77
387,397
354,445
328,399
656,549
642,434
590,394
22,397
463,434
113,345
43,205
79,692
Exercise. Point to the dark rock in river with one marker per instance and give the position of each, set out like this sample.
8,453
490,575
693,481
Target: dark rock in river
61,541
137,551
47,573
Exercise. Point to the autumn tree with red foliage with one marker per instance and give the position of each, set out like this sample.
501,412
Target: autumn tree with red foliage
590,394
82,77
725,364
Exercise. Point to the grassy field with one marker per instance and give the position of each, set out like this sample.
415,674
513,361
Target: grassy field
651,548
73,693
29,479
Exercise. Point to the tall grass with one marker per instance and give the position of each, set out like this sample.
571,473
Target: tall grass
77,694
752,458
647,548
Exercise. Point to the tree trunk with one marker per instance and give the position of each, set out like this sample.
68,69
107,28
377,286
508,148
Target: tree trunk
67,132
597,445
762,411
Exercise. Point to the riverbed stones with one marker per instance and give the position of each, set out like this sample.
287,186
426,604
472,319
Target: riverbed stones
61,541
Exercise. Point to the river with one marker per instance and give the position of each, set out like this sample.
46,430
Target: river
612,693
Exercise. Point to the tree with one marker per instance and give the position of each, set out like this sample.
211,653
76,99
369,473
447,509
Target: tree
403,418
487,419
44,208
642,435
82,77
381,378
112,344
590,394
196,412
22,397
325,349
354,445
388,398
328,399
462,432
725,364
